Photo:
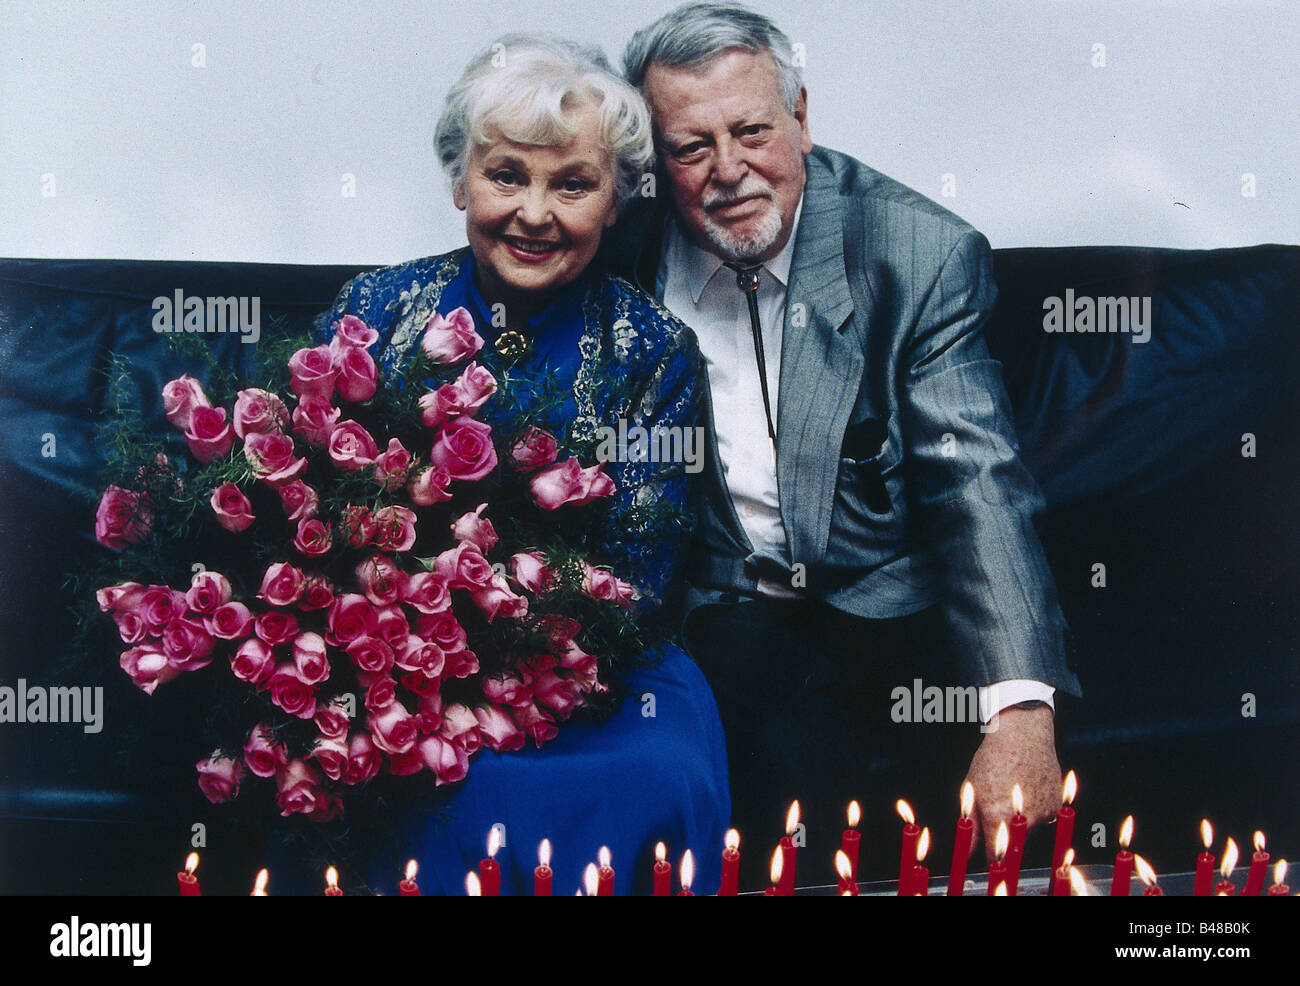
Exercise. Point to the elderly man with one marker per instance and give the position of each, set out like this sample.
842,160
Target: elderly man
865,474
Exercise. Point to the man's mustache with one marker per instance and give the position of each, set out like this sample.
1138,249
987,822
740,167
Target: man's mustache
712,200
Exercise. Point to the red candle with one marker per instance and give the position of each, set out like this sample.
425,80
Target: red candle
907,854
1229,861
1258,869
848,886
186,880
774,872
920,882
730,884
687,874
663,872
1064,824
961,844
851,838
1205,862
1147,874
1279,888
542,872
489,870
605,875
407,887
1016,848
1061,875
332,888
998,868
789,851
1121,877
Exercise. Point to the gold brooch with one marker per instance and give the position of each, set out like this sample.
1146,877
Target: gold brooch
511,344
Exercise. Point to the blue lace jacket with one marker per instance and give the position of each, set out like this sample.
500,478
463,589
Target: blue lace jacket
632,361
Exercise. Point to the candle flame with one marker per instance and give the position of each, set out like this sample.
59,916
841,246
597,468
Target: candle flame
472,886
604,857
792,818
1017,799
1078,885
1146,872
1001,842
1259,842
411,870
1279,872
778,863
1069,789
494,841
331,878
661,852
191,863
1068,860
544,853
688,869
259,884
1207,834
1230,854
731,840
905,812
1001,890
591,879
967,799
923,845
842,865
855,814
1126,832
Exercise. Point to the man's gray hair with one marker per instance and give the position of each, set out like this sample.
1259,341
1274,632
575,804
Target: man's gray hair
525,87
696,34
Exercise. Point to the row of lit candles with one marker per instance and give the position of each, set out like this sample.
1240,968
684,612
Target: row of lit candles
913,875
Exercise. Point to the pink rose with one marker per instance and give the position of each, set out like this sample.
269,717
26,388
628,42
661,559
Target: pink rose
391,626
497,729
464,449
418,684
439,406
331,753
276,627
474,528
219,778
124,517
429,486
332,720
394,528
253,662
301,791
208,590
351,617
358,526
358,377
430,714
560,695
506,689
370,654
291,693
448,761
317,594
381,692
263,753
351,447
180,397
459,663
451,339
443,629
421,655
159,606
533,449
130,627
232,508
530,571
583,667
476,385
600,583
259,411
314,419
148,667
309,658
464,567
363,759
124,595
536,724
230,621
208,436
272,459
187,644
380,579
312,371
282,584
351,333
299,500
392,466
460,726
567,482
314,538
428,592
496,599
392,729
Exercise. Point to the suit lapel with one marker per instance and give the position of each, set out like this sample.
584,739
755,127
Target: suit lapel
821,369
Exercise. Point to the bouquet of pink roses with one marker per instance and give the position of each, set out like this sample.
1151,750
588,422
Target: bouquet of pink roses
357,611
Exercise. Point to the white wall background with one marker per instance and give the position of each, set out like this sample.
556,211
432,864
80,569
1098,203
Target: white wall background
242,159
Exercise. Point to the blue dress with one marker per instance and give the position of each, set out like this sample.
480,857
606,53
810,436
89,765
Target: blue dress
657,770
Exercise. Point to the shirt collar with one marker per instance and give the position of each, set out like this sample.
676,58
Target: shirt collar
699,266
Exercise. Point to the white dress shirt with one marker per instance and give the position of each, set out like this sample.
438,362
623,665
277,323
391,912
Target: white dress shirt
700,290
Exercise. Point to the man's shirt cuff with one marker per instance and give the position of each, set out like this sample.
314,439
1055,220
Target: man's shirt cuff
1003,694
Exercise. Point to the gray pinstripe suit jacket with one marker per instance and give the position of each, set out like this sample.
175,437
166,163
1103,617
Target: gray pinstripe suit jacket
885,309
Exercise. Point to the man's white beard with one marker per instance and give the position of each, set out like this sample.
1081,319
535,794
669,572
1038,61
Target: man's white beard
748,246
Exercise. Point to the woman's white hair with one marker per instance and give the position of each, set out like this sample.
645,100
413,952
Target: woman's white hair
525,87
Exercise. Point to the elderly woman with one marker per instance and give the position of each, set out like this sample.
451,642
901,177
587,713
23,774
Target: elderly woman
542,145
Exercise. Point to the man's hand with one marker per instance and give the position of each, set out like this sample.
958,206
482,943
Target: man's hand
1019,749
